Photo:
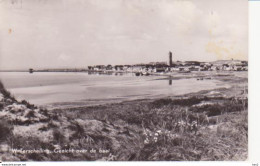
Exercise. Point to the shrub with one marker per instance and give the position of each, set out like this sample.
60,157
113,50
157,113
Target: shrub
58,137
5,130
28,105
6,93
3,90
189,102
181,102
1,106
78,131
30,114
161,102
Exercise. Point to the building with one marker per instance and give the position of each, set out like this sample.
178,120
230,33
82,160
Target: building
31,70
170,58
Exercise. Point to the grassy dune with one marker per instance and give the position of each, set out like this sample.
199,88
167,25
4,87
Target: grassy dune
190,128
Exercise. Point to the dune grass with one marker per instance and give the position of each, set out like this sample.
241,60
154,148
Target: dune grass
168,129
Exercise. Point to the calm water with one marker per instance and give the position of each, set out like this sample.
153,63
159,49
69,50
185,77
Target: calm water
73,89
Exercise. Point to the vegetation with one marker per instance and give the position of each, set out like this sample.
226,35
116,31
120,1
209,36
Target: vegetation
3,90
167,129
184,129
5,130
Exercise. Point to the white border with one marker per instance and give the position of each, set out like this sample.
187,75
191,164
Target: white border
254,81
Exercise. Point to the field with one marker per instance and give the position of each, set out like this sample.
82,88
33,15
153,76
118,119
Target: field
207,125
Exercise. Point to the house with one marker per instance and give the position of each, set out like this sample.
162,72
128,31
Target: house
159,69
126,67
194,68
119,67
109,67
99,67
174,69
191,63
90,68
137,68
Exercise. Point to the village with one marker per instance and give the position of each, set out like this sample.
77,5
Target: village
174,66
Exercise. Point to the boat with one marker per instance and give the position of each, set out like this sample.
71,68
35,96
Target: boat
145,73
138,74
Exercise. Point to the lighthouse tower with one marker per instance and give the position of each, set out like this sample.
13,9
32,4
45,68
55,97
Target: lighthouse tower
170,58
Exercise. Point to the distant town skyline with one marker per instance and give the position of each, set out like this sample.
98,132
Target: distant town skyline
80,33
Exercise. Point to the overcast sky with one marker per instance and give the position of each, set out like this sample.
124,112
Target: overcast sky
78,33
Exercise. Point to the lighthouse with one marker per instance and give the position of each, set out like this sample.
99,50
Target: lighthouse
170,58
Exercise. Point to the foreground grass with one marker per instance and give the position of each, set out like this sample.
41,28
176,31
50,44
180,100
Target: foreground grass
185,129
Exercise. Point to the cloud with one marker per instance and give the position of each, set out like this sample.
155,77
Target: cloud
90,32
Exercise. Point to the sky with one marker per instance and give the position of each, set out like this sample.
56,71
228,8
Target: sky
78,33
